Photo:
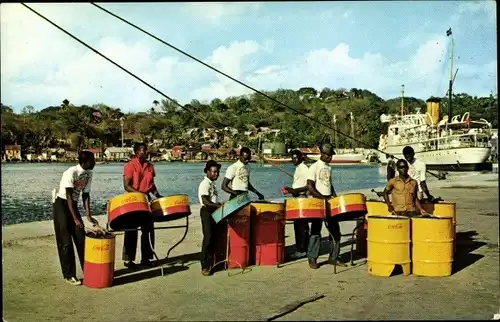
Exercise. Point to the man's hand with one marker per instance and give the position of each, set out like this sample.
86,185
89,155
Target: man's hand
290,190
390,208
78,223
424,213
261,196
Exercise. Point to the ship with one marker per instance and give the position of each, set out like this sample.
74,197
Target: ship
456,144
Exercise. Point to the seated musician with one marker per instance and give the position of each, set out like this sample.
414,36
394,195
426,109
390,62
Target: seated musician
403,190
238,176
319,184
138,176
208,196
299,189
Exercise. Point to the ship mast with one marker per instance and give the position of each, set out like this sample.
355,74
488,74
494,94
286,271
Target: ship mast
449,34
402,100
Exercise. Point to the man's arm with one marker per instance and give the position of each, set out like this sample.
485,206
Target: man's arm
296,191
387,191
72,210
311,187
228,178
334,194
154,190
417,202
86,200
423,183
128,174
251,188
208,203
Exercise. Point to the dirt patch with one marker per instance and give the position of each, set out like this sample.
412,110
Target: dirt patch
490,214
466,187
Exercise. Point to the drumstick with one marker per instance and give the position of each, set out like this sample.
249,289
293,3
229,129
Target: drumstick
275,165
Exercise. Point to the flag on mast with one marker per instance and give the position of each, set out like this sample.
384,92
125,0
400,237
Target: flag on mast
448,32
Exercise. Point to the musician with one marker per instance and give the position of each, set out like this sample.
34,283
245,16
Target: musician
391,167
138,176
299,190
208,196
238,176
68,224
319,184
404,193
417,170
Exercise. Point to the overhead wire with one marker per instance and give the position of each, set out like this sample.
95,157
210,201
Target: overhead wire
241,83
196,59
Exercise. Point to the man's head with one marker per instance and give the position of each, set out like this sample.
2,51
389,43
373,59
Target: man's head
212,169
402,167
327,152
86,160
409,154
141,151
297,157
245,155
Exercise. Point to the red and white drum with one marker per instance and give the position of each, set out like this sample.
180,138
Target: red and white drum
128,211
348,207
305,208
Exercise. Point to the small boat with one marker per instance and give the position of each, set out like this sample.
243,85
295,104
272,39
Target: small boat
277,160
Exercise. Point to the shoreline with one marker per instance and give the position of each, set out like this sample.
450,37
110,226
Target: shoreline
36,229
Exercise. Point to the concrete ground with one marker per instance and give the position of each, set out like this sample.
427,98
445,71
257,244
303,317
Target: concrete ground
35,291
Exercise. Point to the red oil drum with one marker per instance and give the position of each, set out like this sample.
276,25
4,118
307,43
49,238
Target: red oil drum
268,243
128,211
232,243
99,263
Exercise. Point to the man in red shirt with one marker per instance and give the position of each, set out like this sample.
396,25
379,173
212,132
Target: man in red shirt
138,176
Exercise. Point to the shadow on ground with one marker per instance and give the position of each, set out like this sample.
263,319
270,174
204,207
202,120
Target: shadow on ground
466,243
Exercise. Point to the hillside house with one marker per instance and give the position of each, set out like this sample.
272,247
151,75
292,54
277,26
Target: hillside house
97,153
118,154
12,152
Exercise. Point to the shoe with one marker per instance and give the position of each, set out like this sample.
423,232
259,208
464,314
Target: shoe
147,263
130,264
73,281
337,263
313,264
206,272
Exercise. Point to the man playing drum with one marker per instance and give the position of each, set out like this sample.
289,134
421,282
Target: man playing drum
417,170
68,224
299,190
319,184
208,196
238,175
404,193
138,176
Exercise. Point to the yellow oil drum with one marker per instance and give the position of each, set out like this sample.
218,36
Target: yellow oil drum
432,246
99,260
446,210
388,244
377,208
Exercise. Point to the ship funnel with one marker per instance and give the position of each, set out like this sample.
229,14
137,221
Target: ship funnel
433,108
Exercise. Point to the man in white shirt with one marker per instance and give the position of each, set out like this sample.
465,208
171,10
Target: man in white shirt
299,190
68,224
238,176
208,197
319,184
417,170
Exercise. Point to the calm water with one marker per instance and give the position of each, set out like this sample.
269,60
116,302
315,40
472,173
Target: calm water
26,188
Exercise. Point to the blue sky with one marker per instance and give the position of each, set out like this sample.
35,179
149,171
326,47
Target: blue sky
373,45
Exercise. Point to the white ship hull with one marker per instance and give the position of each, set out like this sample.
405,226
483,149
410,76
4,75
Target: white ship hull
453,159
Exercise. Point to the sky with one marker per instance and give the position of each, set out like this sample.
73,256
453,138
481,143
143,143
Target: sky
373,45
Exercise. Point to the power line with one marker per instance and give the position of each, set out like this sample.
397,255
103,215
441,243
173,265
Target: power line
237,81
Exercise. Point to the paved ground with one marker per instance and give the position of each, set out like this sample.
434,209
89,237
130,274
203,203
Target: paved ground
34,289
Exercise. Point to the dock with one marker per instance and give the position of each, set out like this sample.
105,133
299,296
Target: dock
34,289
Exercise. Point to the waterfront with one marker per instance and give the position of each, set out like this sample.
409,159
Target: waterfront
26,188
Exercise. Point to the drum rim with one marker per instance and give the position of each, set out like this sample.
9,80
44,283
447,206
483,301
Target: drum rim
392,217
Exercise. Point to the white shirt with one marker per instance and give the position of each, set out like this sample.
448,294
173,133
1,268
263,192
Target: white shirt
78,179
207,188
300,176
321,174
417,171
239,175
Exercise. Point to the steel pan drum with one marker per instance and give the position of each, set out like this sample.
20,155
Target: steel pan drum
305,208
348,206
231,207
170,208
128,211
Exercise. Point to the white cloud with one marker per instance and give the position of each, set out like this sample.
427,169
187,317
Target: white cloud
214,11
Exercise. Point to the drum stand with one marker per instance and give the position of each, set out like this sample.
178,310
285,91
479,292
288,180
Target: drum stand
352,235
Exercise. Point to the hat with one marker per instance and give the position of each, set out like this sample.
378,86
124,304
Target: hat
327,148
211,163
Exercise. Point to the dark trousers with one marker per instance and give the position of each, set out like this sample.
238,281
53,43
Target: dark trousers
66,234
301,229
208,244
130,242
315,238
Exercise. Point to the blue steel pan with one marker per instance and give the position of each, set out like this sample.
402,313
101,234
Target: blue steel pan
230,207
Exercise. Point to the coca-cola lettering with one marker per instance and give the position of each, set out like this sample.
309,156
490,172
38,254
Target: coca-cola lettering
395,226
129,200
101,248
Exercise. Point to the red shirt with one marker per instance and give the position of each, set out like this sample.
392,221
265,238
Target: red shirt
142,175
